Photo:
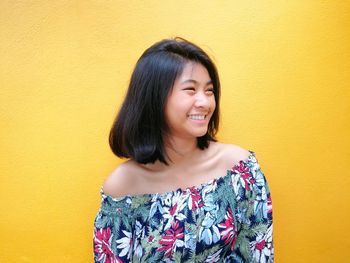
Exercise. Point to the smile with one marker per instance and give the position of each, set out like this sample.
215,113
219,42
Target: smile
197,117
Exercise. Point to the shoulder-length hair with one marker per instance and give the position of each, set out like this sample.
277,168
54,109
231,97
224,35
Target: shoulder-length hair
139,129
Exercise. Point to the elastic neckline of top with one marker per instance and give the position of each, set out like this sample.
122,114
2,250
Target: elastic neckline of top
186,189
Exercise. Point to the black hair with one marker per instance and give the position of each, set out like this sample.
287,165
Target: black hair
139,129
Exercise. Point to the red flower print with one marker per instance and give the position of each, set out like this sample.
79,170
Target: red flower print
229,232
150,238
195,198
172,239
260,245
102,241
172,210
245,174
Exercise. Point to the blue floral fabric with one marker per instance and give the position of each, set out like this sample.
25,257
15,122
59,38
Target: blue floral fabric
228,219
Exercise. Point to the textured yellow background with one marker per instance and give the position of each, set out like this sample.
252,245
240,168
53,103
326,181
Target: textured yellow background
285,70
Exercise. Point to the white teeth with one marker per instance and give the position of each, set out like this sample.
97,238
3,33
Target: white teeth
197,117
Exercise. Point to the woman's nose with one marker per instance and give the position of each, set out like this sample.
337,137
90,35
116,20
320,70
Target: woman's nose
202,100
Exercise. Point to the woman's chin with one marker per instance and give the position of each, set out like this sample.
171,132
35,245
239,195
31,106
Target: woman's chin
201,134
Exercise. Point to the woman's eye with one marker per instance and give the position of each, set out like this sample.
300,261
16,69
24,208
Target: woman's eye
210,91
190,89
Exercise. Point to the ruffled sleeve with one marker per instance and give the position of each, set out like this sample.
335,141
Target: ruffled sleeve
112,238
253,213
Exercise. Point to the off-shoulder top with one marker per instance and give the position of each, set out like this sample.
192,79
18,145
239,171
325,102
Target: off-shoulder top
228,219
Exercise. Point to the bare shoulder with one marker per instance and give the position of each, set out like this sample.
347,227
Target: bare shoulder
122,180
231,154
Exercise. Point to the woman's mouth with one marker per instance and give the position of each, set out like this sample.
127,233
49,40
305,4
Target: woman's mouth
197,117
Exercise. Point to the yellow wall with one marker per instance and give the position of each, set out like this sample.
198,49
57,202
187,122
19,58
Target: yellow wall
65,65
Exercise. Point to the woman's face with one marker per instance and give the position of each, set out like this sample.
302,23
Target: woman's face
191,103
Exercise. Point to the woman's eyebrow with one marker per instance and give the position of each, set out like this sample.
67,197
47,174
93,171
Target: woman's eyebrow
196,82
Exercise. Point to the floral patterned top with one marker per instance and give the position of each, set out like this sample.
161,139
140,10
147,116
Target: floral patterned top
228,219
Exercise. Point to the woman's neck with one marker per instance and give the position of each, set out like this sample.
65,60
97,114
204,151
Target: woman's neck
179,153
181,150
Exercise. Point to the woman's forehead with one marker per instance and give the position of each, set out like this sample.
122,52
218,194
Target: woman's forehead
193,72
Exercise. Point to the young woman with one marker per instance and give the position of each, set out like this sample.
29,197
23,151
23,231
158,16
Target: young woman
182,196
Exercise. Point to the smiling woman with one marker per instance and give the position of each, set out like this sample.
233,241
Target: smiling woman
191,102
182,196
